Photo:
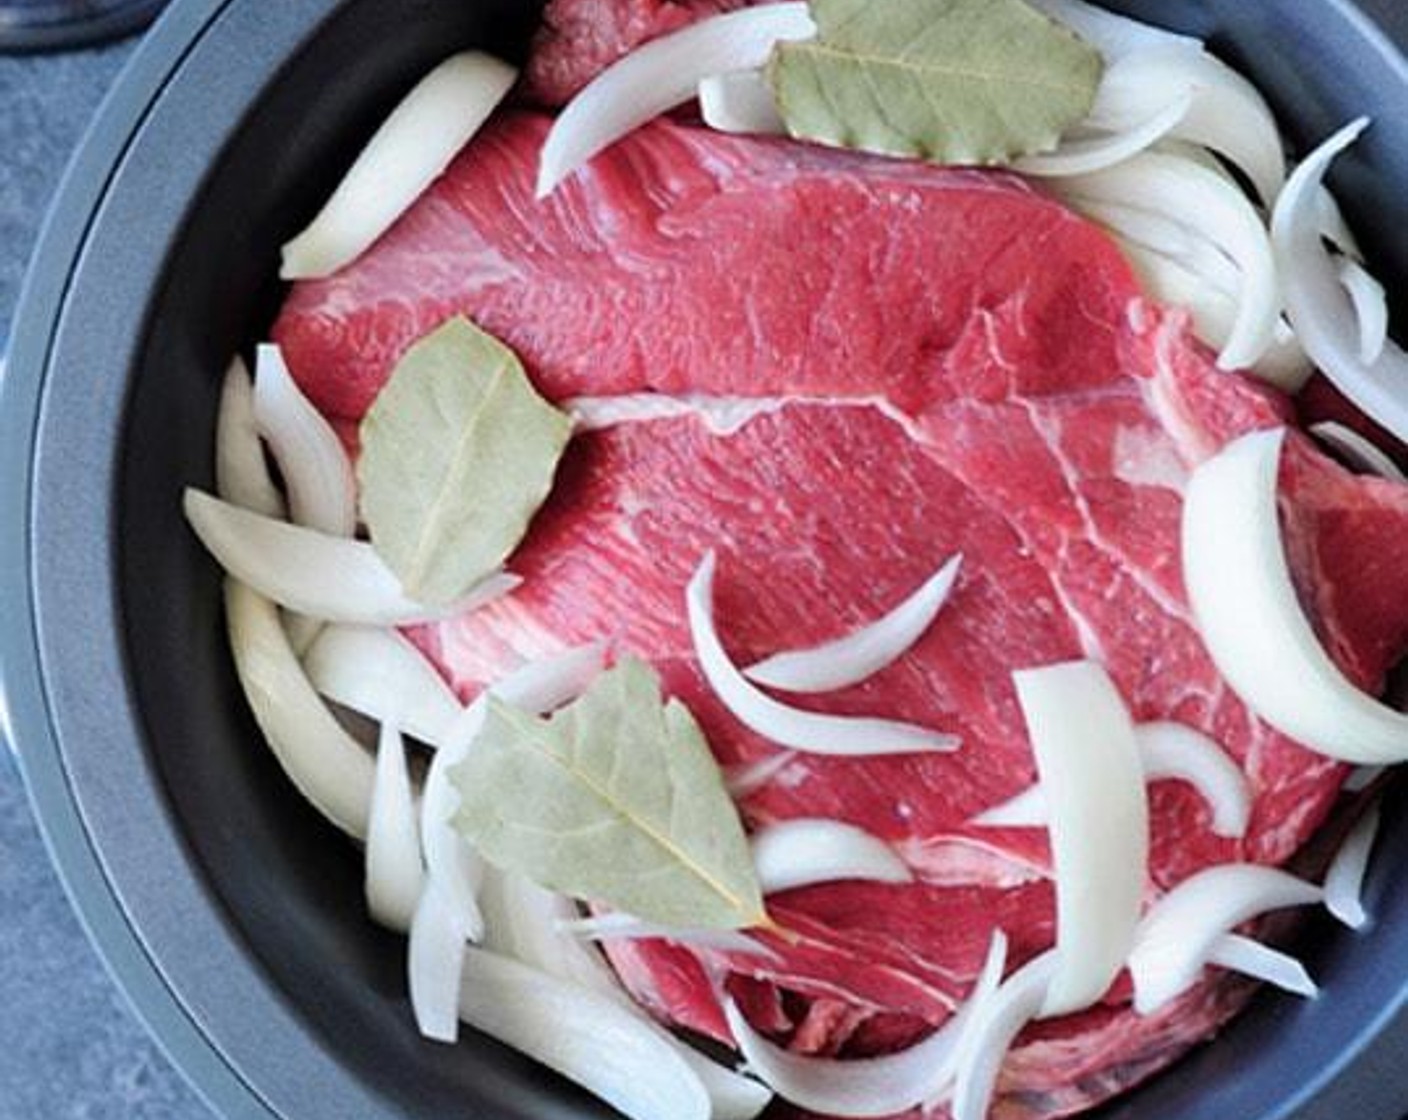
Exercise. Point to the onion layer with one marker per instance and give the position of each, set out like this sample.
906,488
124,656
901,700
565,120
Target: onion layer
329,578
740,101
791,727
1261,962
864,652
627,927
660,75
797,853
1177,935
1250,618
1344,881
1360,451
394,873
379,674
409,151
241,474
1370,309
1088,759
435,963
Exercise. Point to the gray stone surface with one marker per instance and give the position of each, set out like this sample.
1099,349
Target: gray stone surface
69,1047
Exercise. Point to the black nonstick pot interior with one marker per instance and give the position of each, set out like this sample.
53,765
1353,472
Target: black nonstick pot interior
230,912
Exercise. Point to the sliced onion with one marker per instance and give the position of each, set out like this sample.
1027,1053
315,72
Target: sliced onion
544,685
740,101
378,673
1362,777
583,1035
1113,35
1088,758
791,727
1261,962
660,75
1334,228
1344,881
1086,155
864,652
627,927
800,852
322,491
1178,933
1370,309
241,474
327,765
435,964
1251,620
521,921
330,578
394,872
1181,189
750,777
1319,307
995,1023
1360,451
866,1087
409,151
1166,751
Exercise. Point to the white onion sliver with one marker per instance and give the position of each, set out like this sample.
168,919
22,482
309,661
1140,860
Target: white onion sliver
660,75
322,491
325,764
1261,962
995,1023
1088,758
394,872
550,682
1087,155
1362,777
732,1095
627,927
434,964
1113,35
1251,621
407,153
1180,188
1319,307
583,1035
1370,309
375,671
864,652
747,778
330,578
1344,881
1361,452
241,474
797,853
866,1087
1027,809
1179,931
788,726
740,101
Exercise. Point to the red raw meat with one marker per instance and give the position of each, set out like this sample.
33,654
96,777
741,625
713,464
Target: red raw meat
931,361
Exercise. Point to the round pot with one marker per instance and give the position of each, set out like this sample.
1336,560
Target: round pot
231,915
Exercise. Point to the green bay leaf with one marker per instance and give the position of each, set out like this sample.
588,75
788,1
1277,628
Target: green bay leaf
615,799
458,453
952,81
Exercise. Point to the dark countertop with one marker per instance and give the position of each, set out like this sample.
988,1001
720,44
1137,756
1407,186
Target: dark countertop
69,1047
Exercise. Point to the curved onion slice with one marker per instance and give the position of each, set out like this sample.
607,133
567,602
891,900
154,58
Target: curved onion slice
1370,309
330,578
627,927
583,1035
241,474
1362,777
1180,930
660,75
750,777
1251,621
378,673
327,765
434,964
1166,751
1261,962
1113,35
409,151
863,653
1361,452
395,874
867,1087
1344,881
740,101
1088,759
521,921
322,491
800,852
1085,155
1319,307
791,727
995,1023
1169,185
